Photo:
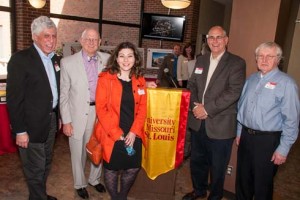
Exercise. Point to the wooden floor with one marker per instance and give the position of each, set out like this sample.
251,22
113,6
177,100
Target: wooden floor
60,183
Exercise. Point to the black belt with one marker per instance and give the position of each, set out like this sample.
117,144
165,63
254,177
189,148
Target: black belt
257,132
92,103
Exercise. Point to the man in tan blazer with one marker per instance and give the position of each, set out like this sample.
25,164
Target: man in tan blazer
79,75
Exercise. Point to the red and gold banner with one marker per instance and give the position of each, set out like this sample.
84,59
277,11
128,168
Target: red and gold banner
165,127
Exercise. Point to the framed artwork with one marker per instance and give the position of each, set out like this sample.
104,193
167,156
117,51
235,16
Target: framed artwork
155,57
163,27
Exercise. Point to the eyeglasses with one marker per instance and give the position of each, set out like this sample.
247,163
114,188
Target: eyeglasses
218,38
267,57
90,40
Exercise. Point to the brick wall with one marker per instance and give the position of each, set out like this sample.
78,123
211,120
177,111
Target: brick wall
128,12
25,14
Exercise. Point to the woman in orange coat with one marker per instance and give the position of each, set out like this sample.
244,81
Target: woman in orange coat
121,110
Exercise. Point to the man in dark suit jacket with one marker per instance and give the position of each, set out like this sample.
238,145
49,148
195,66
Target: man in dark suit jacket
32,100
215,85
168,69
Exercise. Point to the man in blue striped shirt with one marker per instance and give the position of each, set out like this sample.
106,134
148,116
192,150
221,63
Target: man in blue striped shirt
268,116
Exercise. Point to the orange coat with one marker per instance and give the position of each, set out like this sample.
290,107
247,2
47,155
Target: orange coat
108,105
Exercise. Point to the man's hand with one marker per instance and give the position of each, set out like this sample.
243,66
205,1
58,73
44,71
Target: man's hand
68,129
237,141
22,140
59,124
278,159
180,83
199,111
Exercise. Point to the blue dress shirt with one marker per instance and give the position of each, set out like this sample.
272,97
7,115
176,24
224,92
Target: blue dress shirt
50,73
271,103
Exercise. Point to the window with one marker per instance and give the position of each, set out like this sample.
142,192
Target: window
72,17
5,36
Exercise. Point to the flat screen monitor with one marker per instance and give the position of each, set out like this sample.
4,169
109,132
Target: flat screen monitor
163,27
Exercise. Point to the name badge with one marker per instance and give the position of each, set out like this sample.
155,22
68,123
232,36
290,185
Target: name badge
270,85
172,60
141,91
198,70
57,68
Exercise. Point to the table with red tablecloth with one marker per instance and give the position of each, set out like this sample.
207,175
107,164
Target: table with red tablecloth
7,144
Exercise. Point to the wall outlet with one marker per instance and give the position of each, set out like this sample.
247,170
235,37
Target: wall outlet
229,170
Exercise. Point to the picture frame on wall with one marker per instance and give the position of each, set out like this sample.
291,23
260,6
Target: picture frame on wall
163,27
155,57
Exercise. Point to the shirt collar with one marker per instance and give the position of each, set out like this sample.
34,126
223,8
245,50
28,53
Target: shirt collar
269,74
42,54
218,58
89,58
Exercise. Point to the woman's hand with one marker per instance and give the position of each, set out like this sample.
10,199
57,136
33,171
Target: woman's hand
129,139
151,84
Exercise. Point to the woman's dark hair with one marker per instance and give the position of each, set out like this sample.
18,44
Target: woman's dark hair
187,46
113,66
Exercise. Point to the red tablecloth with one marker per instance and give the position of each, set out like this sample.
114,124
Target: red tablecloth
7,144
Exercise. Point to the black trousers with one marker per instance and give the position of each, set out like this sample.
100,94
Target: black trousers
36,161
255,171
209,156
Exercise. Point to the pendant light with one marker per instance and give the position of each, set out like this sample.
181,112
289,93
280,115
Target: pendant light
176,4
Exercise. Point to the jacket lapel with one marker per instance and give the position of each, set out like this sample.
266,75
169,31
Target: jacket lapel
220,67
39,65
100,62
79,65
205,66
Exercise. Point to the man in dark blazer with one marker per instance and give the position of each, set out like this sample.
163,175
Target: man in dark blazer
32,100
167,73
215,85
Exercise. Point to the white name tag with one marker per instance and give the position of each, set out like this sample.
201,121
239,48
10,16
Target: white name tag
198,70
141,91
270,85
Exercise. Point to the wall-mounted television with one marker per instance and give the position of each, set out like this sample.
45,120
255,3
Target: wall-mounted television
163,27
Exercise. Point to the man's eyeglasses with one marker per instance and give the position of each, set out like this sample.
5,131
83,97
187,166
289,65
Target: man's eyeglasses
90,40
218,38
267,57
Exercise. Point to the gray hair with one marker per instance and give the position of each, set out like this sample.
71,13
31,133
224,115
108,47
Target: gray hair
41,23
270,45
83,34
219,27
